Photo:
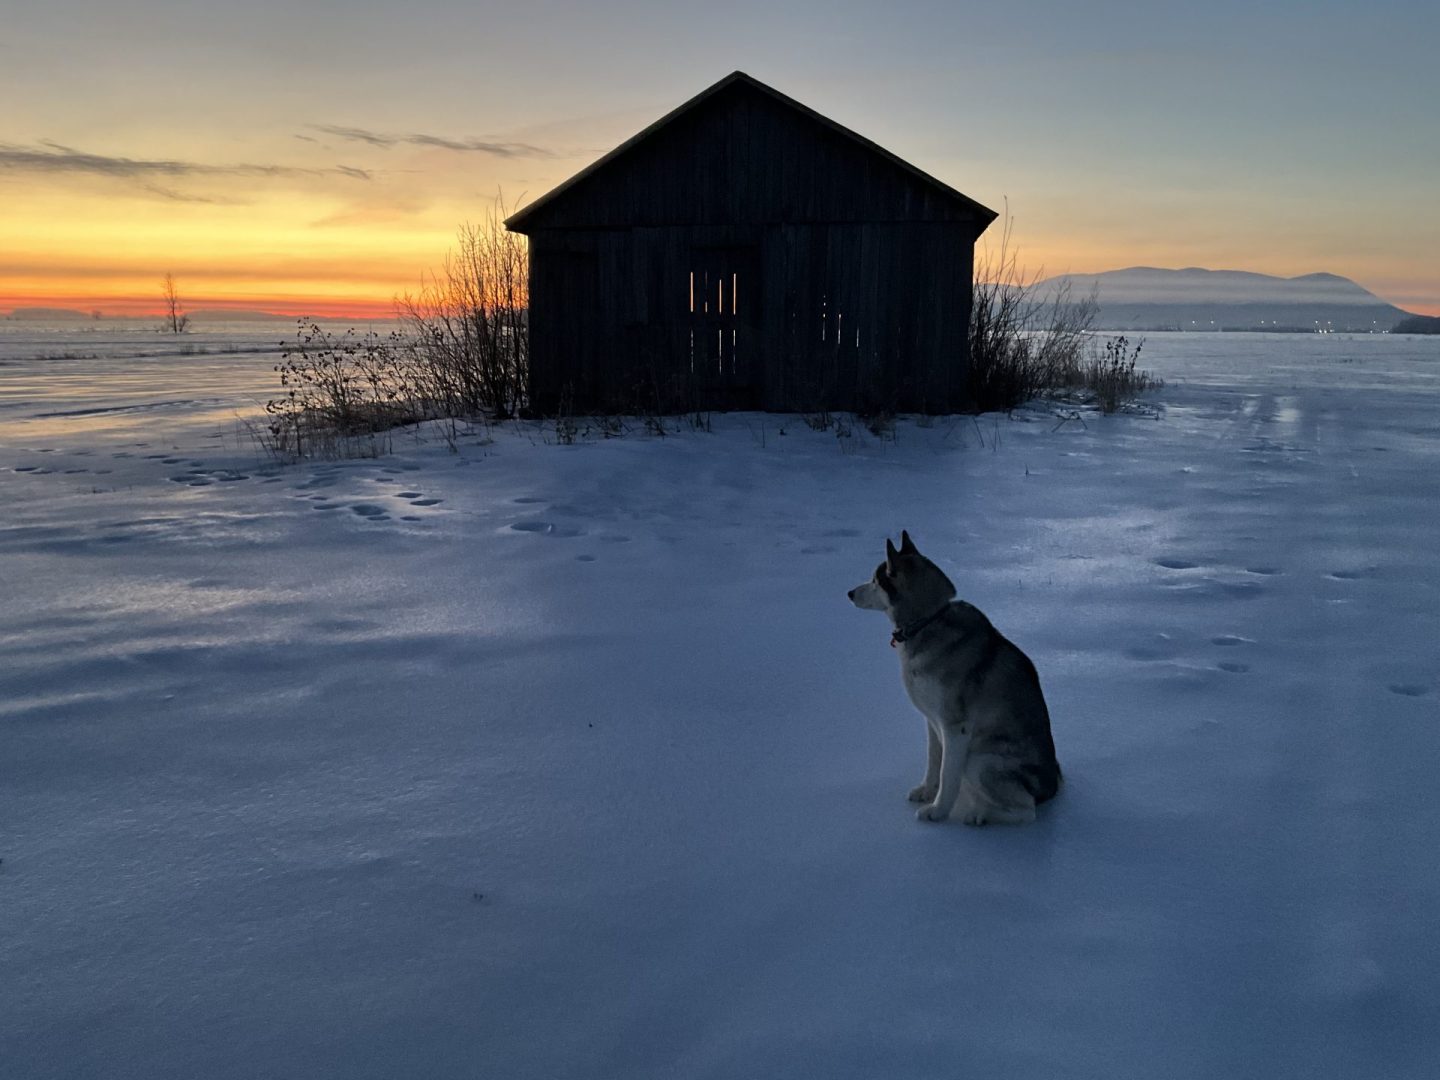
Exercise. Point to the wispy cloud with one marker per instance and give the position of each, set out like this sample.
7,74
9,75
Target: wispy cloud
386,140
355,134
54,157
181,196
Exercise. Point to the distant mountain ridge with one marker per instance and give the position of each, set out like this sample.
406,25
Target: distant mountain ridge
1418,324
1151,298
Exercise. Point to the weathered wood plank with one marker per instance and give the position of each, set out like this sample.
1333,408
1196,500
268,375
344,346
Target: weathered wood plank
851,279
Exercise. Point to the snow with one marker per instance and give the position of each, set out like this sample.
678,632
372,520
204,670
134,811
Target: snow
532,760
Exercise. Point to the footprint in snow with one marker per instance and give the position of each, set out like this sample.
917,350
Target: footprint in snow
318,480
1409,689
1234,668
370,511
1161,649
1175,564
1351,575
419,498
545,528
199,477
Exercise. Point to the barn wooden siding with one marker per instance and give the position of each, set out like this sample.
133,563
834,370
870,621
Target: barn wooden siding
746,253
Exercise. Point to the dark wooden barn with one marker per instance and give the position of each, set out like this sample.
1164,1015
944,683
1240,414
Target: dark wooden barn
746,252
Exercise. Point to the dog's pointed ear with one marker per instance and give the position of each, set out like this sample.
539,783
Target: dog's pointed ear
890,553
907,546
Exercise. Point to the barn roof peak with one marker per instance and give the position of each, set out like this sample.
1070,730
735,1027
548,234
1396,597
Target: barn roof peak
517,220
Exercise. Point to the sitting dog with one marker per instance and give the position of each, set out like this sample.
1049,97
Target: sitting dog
991,756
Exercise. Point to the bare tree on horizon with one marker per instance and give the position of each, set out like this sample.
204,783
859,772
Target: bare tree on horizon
175,319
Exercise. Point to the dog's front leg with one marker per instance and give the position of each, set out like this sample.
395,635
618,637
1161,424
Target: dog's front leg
953,747
926,791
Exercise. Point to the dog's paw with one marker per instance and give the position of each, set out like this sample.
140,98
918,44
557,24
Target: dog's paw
931,813
924,793
974,816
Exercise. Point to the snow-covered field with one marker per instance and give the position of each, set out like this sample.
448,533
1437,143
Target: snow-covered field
541,761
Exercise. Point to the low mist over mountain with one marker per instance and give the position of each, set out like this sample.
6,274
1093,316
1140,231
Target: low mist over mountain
1147,298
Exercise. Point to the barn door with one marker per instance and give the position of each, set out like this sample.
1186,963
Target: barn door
723,308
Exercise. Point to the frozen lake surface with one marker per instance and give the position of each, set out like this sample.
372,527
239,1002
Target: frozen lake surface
540,761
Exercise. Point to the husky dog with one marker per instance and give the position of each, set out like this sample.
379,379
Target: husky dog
991,755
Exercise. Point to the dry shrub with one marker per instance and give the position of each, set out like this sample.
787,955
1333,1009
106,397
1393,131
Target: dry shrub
469,323
1025,344
463,353
1022,344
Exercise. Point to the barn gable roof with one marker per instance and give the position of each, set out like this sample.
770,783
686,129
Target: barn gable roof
534,215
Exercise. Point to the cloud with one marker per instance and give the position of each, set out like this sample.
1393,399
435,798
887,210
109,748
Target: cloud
180,196
357,135
53,157
386,140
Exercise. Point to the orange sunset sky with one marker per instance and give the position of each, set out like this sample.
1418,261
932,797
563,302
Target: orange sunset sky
317,158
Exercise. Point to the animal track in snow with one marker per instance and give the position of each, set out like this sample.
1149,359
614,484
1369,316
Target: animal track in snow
1231,666
546,528
1409,689
1175,564
202,477
320,491
1352,575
